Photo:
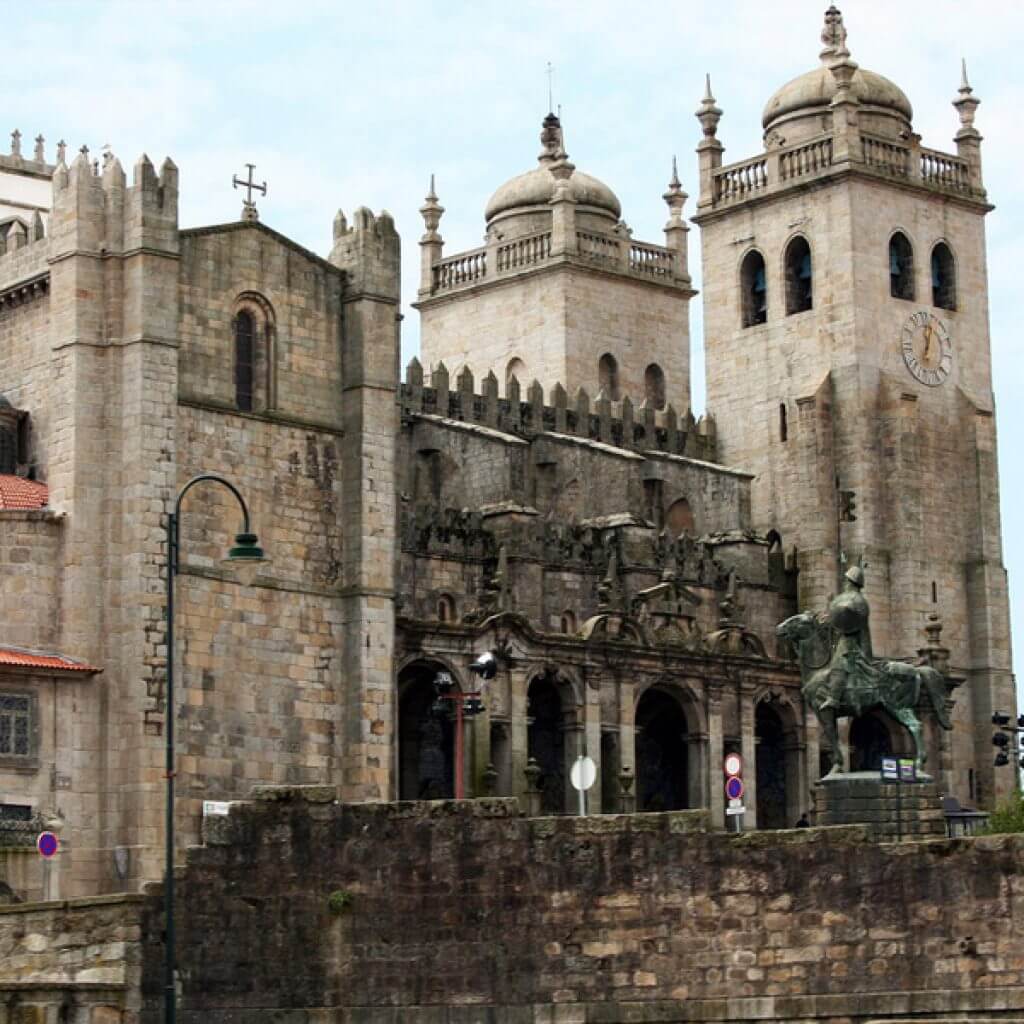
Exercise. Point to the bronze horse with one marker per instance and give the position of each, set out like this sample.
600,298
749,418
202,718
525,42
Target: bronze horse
834,688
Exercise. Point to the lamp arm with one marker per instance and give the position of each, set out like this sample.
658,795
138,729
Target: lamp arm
214,478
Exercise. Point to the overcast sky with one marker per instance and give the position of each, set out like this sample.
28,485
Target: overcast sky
346,104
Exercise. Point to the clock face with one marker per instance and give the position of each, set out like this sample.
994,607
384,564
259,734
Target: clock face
927,348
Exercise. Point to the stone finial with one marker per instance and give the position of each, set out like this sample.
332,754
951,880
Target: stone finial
833,36
708,113
966,103
62,150
551,140
38,230
39,153
340,224
414,373
676,198
431,211
16,143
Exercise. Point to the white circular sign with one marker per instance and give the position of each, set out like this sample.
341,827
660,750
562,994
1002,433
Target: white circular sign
584,773
733,764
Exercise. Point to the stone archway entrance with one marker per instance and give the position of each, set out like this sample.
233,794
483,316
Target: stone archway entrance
662,753
545,742
426,739
770,737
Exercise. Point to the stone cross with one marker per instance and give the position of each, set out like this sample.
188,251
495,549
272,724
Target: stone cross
249,207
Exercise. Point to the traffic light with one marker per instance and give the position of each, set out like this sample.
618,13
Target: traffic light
1020,721
472,706
1001,759
847,506
1001,740
1002,719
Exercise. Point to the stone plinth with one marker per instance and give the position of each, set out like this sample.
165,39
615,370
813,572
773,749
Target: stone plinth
890,809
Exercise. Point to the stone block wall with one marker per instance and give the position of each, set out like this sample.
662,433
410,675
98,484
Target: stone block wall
29,575
430,912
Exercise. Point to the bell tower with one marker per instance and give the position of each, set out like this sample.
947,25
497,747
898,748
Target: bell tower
848,367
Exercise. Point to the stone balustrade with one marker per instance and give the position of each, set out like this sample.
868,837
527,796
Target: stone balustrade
889,158
524,252
652,260
945,170
463,268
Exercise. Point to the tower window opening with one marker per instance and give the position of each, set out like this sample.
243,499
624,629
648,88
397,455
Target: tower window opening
244,360
783,423
516,368
608,376
568,623
943,277
654,386
445,608
901,267
935,593
799,282
754,289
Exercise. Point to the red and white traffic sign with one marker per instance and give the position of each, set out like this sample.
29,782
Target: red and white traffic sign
734,787
733,765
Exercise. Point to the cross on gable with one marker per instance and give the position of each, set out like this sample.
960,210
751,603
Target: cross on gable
250,186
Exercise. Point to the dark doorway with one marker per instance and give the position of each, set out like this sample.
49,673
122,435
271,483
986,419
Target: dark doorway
661,753
545,739
771,768
426,739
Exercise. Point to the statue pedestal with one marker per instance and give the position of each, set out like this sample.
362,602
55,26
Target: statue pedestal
907,810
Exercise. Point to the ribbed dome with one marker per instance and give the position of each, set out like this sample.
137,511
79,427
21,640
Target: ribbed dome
536,187
812,93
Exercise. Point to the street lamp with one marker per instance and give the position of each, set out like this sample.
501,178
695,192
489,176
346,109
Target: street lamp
246,550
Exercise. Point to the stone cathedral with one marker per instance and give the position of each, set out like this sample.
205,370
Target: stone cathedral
534,485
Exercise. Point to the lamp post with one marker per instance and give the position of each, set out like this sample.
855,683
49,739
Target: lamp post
246,549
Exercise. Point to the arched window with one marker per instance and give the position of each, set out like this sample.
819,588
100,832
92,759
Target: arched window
516,368
446,608
245,360
799,283
608,376
679,518
901,267
568,623
754,289
943,277
654,386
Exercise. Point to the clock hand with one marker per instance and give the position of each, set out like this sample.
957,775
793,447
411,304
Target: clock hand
929,336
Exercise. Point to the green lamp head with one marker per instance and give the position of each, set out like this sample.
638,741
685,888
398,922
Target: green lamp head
246,549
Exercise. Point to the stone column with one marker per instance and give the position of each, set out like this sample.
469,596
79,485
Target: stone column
563,209
592,741
709,150
431,244
627,729
714,799
812,760
748,751
518,732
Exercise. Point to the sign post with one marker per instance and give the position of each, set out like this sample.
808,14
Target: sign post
899,770
732,767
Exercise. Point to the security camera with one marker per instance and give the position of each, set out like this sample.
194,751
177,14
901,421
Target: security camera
485,665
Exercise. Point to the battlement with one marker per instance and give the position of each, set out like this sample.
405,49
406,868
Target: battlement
95,210
369,251
23,255
620,424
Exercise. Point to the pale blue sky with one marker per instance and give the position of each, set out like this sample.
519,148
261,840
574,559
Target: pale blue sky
341,104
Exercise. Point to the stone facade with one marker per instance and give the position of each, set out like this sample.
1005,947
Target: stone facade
626,563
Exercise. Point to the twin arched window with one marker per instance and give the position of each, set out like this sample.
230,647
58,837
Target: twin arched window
901,272
799,282
253,336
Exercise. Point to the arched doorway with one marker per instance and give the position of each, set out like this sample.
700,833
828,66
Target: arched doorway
426,737
876,735
545,742
662,753
770,737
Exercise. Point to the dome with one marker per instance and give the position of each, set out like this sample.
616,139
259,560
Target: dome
812,93
536,187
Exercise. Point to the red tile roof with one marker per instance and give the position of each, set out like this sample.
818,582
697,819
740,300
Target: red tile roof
20,658
17,492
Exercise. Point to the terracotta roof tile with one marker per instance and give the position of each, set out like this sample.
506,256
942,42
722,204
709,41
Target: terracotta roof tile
18,493
20,658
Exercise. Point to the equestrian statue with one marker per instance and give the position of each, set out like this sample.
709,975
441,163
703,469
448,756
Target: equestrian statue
842,679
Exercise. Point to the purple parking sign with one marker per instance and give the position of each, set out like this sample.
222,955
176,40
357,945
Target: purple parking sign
47,844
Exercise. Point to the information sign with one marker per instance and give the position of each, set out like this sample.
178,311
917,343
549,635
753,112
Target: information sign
735,810
908,770
583,773
890,768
